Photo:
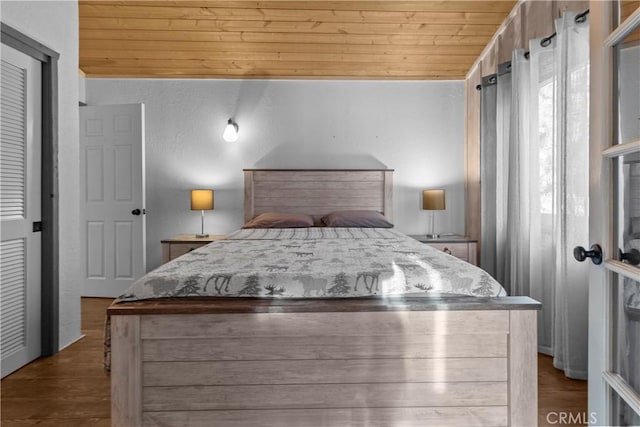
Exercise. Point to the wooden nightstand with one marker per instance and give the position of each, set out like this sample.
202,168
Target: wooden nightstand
458,246
183,243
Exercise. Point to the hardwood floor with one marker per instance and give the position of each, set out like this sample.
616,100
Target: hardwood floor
71,389
68,389
557,394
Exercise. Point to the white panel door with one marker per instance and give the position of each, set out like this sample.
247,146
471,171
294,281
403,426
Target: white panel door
112,197
20,207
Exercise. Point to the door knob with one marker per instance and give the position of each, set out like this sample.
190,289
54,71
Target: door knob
136,212
580,254
632,257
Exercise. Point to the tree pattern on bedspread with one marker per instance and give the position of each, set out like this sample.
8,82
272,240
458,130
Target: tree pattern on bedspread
314,263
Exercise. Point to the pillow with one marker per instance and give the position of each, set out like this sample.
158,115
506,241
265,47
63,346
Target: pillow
364,219
280,220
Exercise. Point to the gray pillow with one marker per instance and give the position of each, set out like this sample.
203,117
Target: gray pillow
363,219
280,220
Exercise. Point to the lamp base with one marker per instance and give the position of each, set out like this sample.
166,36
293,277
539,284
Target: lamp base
202,235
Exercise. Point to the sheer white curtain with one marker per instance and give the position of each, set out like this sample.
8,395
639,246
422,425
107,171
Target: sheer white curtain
540,179
571,196
503,143
494,156
543,96
488,169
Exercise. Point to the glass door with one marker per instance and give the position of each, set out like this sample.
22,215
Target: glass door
614,288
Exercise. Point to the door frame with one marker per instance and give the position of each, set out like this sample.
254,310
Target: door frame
50,196
600,123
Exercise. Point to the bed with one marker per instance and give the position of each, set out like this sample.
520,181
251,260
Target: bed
385,357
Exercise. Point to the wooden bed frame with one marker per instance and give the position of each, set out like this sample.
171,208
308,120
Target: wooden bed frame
317,192
459,361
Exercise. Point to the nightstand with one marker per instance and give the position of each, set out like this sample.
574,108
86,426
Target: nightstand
183,243
461,247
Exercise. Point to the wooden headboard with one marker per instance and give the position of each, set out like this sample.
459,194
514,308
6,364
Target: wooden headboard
317,192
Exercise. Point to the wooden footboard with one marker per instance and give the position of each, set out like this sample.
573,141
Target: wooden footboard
402,362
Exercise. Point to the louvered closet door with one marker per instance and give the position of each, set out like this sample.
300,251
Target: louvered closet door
20,171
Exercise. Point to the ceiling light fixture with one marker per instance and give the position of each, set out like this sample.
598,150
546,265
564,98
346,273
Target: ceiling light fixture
231,131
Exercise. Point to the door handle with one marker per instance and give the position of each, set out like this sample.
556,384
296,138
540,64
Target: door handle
580,254
136,212
632,257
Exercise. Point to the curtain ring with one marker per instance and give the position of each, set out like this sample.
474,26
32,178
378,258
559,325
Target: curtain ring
582,17
478,87
527,54
547,40
508,67
492,79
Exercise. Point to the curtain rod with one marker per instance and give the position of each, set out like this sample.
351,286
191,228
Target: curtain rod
579,19
546,41
504,68
489,80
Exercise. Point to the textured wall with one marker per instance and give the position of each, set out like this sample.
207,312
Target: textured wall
55,24
415,128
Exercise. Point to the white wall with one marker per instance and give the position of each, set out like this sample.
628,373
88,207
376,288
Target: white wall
82,89
415,128
55,24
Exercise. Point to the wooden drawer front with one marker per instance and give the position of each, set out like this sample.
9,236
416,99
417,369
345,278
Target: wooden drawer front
458,250
179,249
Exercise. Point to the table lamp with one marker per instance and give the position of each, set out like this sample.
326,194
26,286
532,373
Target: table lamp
202,200
433,200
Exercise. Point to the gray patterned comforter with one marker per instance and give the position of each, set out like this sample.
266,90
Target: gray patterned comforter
314,263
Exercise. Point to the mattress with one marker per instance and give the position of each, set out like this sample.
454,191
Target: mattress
317,262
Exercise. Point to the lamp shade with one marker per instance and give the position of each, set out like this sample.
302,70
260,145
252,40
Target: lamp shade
433,200
201,200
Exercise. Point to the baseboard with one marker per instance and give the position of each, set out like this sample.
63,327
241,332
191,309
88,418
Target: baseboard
72,342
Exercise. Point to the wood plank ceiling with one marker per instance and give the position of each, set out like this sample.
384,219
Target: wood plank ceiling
391,39
627,8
